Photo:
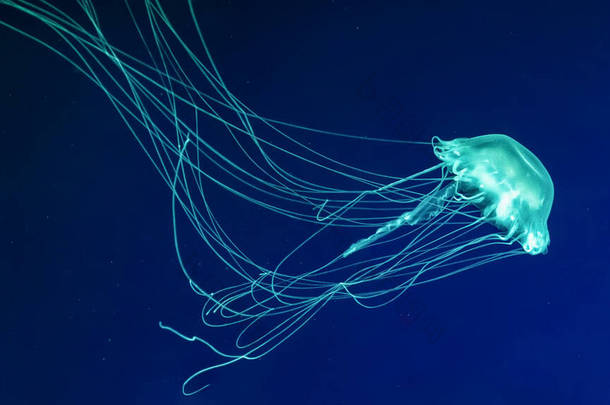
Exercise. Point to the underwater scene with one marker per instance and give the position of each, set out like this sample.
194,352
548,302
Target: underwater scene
316,202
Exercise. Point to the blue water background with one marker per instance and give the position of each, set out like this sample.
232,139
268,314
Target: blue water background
87,256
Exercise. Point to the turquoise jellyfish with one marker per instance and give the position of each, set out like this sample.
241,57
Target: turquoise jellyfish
368,236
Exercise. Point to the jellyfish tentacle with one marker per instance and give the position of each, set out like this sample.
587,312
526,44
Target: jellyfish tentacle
426,210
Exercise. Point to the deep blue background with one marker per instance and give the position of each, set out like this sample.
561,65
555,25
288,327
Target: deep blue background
86,254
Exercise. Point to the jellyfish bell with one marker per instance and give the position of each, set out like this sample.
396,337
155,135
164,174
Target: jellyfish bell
506,181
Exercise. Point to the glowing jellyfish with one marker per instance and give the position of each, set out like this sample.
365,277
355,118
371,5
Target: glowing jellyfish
489,198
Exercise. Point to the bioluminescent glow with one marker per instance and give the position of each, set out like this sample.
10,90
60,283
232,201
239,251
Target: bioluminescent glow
486,198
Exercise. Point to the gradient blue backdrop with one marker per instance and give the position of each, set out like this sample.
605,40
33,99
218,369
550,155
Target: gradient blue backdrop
86,255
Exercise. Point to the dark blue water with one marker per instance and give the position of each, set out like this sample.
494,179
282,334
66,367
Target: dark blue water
86,251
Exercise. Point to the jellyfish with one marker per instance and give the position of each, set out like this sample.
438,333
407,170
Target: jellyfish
369,235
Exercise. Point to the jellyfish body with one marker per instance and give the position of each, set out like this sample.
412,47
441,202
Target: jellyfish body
506,181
